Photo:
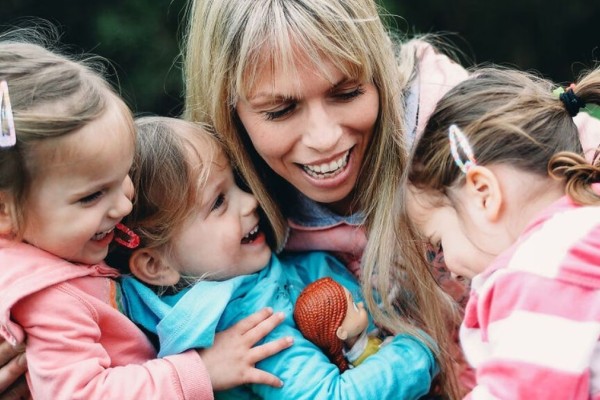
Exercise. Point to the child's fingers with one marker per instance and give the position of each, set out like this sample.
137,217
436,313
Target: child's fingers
12,371
264,327
262,377
252,320
263,351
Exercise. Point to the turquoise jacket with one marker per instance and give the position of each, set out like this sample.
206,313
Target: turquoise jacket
403,369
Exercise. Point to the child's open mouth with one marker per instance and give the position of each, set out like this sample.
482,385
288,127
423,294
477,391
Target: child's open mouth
251,236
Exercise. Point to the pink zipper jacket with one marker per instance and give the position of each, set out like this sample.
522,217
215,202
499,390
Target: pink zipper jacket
79,345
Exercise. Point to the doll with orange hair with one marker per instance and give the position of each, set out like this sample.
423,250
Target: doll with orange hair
327,315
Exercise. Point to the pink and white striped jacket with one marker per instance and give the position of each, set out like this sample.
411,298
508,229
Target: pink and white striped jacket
532,323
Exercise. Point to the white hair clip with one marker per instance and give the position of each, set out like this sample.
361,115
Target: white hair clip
458,139
8,137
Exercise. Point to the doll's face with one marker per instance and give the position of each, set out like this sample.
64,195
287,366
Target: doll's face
356,320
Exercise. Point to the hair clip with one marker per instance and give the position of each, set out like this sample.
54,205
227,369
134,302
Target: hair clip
131,240
8,137
458,139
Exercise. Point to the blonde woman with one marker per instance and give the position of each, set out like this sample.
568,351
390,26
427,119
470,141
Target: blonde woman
316,103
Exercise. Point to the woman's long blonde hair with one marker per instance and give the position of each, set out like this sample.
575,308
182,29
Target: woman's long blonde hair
226,44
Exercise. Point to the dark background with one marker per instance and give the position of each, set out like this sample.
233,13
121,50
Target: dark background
558,38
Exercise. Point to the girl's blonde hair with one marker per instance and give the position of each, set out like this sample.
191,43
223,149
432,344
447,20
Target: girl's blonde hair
52,95
227,44
173,158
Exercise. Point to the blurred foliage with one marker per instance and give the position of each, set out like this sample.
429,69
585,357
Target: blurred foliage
142,37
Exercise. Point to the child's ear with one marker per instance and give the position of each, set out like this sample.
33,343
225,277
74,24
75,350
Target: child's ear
6,214
147,265
341,333
482,184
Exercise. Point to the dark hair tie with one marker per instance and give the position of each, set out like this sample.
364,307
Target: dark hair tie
572,103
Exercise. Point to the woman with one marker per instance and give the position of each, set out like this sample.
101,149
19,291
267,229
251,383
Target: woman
316,103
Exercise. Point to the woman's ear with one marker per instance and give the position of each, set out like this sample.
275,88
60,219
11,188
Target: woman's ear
483,186
147,265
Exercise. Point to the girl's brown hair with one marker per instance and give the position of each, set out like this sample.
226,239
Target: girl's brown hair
52,95
509,117
319,312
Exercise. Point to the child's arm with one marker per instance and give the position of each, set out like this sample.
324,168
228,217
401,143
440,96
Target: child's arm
401,370
532,337
71,357
232,358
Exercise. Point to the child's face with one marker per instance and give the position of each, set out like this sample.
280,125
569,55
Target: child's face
356,320
444,228
222,239
81,190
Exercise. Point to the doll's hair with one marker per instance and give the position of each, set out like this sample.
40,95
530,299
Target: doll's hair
508,117
319,312
52,95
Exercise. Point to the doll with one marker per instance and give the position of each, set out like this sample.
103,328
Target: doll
327,315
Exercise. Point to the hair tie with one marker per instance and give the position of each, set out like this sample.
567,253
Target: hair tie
571,101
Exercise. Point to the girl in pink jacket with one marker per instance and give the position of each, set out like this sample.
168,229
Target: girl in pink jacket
66,147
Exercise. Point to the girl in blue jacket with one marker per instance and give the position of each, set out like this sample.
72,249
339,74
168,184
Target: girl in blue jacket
204,264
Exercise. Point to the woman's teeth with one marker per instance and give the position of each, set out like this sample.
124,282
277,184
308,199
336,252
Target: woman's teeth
327,170
250,236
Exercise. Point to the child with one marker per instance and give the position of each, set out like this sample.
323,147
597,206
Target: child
206,264
327,315
66,146
499,182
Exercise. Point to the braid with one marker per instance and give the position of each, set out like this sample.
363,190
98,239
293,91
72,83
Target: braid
319,312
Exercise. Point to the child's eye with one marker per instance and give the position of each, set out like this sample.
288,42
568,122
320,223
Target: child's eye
273,115
90,198
355,307
359,90
218,202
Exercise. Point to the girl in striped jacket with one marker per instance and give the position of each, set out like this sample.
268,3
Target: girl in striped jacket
500,182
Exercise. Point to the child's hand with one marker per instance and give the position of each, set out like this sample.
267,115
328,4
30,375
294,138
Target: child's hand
12,372
230,361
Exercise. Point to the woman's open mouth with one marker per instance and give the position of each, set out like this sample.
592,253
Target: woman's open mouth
327,170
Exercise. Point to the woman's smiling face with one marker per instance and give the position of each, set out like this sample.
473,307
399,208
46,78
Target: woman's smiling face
313,129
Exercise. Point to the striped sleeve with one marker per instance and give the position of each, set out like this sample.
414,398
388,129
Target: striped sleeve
531,328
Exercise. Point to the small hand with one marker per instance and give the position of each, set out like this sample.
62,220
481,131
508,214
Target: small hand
232,358
13,365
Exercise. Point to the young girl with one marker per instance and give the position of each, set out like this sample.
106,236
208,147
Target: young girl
499,182
66,146
205,264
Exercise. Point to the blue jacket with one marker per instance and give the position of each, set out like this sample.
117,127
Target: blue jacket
403,369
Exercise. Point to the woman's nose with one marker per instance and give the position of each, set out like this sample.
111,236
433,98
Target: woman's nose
322,131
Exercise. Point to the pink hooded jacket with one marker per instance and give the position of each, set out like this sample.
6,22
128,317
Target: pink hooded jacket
79,345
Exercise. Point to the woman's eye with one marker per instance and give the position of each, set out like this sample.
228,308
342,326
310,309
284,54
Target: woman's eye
359,90
273,115
218,202
90,198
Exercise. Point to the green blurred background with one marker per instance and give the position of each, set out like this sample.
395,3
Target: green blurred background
558,38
